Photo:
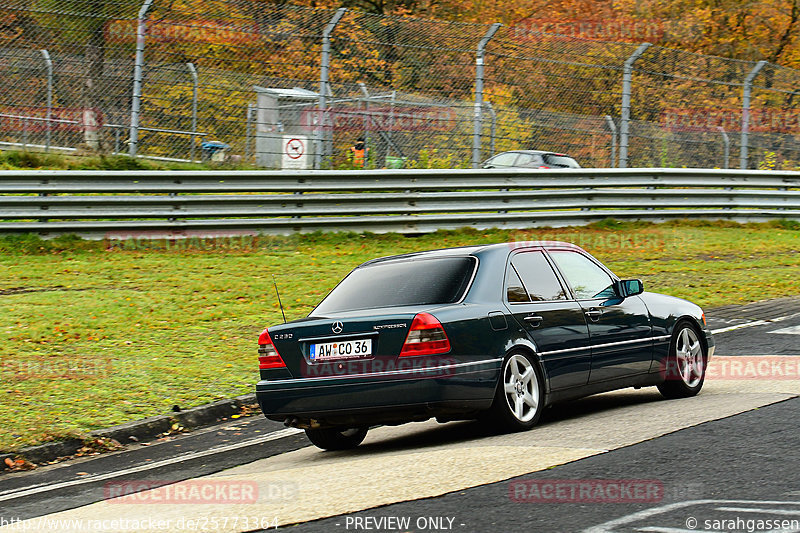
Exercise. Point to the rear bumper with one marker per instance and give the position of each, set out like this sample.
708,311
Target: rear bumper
385,395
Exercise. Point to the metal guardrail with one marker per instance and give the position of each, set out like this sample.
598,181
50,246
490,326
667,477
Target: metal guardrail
170,203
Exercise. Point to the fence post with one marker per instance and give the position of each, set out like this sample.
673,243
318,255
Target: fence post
493,130
613,128
193,72
748,87
365,122
49,64
391,121
727,142
324,83
477,116
248,131
627,74
141,29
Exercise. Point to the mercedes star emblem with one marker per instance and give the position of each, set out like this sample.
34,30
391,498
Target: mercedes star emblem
337,327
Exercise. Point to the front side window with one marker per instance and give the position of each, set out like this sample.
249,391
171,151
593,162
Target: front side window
586,278
439,280
502,160
529,160
539,280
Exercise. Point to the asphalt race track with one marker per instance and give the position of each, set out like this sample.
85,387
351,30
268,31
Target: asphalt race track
622,461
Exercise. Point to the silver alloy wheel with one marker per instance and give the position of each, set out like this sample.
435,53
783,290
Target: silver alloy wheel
689,355
521,387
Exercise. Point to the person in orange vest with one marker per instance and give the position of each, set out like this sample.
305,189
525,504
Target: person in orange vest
359,152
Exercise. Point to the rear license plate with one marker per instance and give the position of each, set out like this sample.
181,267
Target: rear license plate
332,351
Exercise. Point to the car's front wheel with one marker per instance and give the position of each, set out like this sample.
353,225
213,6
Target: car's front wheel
686,364
336,438
519,399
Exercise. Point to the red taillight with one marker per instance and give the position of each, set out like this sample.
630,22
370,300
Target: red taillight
268,356
543,166
426,337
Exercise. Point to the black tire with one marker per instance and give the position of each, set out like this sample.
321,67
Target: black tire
685,370
519,398
336,438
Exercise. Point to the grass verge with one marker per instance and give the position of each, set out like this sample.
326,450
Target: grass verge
98,333
23,160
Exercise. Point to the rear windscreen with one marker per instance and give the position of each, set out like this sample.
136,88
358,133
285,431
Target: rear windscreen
396,283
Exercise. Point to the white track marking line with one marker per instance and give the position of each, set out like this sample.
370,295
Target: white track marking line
739,326
761,510
36,489
754,323
608,527
791,330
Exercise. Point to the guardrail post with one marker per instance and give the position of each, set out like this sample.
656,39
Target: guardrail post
324,83
193,72
613,128
748,87
627,75
138,67
477,117
49,64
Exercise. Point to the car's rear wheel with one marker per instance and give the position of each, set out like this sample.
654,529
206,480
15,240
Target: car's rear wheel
336,438
519,399
686,364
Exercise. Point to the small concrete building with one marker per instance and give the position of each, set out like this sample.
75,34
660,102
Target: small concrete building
285,126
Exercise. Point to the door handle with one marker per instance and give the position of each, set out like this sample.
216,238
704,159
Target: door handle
533,320
594,314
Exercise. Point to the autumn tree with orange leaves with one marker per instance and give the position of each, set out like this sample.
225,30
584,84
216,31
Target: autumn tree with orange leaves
749,30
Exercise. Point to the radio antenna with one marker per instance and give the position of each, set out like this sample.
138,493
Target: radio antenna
279,298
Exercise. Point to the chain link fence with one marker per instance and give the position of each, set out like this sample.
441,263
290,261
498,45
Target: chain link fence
282,86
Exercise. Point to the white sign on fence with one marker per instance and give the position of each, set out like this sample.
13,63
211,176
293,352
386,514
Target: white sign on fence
295,152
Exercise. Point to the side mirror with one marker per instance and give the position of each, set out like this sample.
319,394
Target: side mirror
629,287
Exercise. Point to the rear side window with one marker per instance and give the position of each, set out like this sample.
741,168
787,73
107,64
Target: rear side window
561,161
539,280
440,280
515,291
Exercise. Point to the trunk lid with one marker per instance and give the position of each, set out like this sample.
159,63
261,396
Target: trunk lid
350,343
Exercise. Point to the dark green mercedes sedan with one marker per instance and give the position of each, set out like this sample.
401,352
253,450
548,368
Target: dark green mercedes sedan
495,333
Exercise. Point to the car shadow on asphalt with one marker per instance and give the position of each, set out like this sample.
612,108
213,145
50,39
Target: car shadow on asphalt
473,430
